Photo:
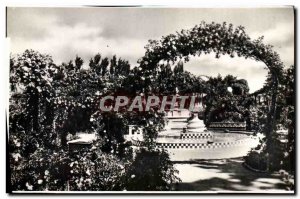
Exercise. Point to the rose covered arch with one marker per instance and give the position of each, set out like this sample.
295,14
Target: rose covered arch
221,39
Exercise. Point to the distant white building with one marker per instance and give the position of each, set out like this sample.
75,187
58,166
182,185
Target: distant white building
82,140
134,133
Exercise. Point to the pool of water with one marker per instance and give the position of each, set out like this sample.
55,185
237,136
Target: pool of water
215,137
216,146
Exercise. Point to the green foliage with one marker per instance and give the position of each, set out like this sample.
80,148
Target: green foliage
225,39
282,155
49,102
95,171
151,170
206,38
41,170
226,105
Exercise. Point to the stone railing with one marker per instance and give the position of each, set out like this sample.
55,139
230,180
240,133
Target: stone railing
231,126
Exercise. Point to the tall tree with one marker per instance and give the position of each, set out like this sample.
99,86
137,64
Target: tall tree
104,64
113,65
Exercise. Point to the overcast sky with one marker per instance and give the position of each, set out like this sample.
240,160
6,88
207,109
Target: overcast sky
67,32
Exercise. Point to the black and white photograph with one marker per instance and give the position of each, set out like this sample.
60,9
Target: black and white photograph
151,100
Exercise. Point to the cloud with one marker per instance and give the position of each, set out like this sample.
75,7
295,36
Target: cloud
282,38
254,72
67,32
282,33
28,24
64,42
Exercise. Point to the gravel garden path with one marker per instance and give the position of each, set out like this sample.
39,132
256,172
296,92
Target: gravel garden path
225,175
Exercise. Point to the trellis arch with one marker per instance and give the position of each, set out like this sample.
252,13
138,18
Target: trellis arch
221,39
